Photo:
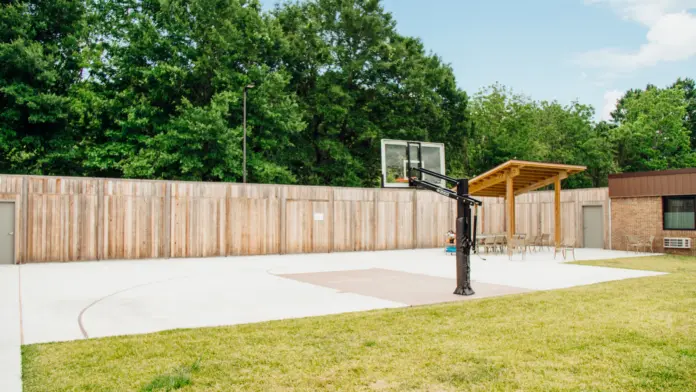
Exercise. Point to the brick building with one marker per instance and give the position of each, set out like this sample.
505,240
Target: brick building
659,203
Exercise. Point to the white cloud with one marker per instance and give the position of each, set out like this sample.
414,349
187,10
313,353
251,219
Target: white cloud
671,35
610,99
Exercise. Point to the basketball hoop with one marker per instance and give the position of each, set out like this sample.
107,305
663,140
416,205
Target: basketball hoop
421,165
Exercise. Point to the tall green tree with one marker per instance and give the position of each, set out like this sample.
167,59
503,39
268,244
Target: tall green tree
651,134
568,135
169,78
598,152
513,126
358,81
688,86
504,129
39,62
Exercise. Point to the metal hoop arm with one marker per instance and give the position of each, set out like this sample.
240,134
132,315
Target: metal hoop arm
443,191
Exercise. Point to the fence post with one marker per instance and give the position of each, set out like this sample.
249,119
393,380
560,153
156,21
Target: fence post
168,220
100,219
579,235
332,232
414,220
374,220
24,243
283,220
540,229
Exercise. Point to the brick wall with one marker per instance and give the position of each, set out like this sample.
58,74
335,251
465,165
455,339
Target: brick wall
642,216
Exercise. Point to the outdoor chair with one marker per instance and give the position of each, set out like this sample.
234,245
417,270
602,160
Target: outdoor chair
500,243
533,242
517,245
545,238
489,244
564,249
651,243
633,242
648,244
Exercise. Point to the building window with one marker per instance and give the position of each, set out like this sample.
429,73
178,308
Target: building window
679,213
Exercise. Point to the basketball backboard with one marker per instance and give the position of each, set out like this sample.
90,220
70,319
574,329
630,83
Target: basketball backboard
395,161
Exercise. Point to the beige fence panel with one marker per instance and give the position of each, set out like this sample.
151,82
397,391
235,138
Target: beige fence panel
308,228
394,219
354,219
354,225
253,226
133,219
61,217
198,219
433,219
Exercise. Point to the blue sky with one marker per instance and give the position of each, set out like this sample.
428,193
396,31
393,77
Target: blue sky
585,50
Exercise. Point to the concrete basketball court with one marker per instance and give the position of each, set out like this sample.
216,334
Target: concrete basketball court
69,301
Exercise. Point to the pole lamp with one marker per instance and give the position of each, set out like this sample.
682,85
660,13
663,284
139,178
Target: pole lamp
244,143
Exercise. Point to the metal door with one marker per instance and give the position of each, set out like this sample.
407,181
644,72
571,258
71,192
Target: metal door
7,234
593,227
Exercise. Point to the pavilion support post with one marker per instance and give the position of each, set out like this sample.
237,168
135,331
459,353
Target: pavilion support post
557,210
510,200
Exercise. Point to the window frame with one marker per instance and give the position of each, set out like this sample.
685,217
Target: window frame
664,210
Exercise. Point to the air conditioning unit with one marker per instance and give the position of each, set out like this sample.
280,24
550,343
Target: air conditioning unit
678,243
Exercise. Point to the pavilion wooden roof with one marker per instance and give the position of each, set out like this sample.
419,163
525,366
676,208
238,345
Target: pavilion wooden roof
527,176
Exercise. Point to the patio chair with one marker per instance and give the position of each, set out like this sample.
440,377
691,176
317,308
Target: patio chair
545,240
634,242
647,244
533,242
500,241
517,245
489,243
651,243
564,249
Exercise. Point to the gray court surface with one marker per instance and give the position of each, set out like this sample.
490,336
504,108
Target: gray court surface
68,301
404,287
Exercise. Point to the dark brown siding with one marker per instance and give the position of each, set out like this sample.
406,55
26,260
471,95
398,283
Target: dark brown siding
659,183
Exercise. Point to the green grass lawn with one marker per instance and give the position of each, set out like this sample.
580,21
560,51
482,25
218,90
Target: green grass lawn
631,335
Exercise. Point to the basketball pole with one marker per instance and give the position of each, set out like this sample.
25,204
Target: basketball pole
463,225
464,240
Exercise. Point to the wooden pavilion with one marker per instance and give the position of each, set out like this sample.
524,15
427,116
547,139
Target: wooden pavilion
515,177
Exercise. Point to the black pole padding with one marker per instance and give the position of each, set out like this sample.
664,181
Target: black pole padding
463,240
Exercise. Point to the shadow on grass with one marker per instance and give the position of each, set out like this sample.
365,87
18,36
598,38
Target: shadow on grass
176,379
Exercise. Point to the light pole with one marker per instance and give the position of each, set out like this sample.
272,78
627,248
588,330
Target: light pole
244,169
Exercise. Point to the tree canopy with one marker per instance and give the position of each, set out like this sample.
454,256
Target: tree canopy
154,89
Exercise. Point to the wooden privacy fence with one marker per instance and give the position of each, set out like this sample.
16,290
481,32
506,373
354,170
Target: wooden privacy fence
68,218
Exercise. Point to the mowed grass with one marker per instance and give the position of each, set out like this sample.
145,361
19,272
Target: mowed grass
631,335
